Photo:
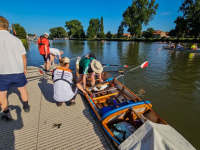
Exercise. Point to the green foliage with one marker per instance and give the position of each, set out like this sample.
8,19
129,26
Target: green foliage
139,14
57,32
20,31
29,34
190,19
101,34
75,29
120,31
93,29
148,33
109,35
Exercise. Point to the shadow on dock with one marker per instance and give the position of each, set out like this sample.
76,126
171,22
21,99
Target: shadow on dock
7,138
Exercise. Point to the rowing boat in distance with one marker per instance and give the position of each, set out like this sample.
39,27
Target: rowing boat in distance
129,121
183,50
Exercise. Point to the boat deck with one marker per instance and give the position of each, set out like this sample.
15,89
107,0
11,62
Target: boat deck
37,129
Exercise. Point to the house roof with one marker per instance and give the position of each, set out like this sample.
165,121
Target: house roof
157,32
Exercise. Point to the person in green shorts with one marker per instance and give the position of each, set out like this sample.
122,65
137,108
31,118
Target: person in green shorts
88,65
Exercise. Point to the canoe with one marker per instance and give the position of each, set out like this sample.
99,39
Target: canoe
114,106
183,50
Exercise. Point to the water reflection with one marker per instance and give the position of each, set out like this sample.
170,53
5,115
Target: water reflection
171,82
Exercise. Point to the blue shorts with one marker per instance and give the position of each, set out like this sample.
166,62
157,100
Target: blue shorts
10,80
48,57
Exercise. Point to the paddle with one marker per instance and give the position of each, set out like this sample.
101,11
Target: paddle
145,64
107,65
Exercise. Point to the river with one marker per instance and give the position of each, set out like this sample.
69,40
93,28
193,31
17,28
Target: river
171,82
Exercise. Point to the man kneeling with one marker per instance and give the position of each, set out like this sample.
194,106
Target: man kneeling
65,84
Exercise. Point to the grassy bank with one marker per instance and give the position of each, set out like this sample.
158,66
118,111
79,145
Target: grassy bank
187,40
25,43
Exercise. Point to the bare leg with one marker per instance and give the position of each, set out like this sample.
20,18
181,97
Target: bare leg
92,79
80,79
3,100
48,64
24,93
51,59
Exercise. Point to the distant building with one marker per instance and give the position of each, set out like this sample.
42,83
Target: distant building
159,34
127,35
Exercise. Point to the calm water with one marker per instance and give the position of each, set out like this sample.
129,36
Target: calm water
171,81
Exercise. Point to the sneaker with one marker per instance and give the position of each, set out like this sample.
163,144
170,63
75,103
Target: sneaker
6,117
48,72
59,104
26,108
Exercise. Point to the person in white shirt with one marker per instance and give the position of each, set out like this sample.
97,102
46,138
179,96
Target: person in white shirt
12,68
65,84
54,52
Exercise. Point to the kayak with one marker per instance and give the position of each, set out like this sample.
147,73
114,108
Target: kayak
184,50
130,122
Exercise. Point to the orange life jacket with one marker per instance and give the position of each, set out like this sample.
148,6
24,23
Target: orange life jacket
41,45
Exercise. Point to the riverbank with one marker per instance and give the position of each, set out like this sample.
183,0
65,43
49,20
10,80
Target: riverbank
185,40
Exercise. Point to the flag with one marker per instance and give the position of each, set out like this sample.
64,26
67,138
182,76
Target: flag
145,64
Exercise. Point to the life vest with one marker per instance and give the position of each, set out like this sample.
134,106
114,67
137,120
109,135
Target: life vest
41,45
63,70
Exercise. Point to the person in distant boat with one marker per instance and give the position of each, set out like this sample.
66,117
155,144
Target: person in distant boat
43,46
12,68
89,65
54,52
172,45
194,47
65,84
179,46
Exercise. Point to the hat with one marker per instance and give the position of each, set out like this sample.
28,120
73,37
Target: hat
46,33
96,66
66,60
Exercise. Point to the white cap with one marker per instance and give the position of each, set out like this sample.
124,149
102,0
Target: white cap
46,33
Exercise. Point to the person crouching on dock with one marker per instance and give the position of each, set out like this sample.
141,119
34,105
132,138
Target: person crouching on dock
65,84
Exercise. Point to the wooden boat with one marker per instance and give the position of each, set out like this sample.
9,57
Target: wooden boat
183,50
116,104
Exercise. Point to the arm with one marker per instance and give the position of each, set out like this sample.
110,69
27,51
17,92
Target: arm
45,49
84,81
100,79
24,64
59,57
80,87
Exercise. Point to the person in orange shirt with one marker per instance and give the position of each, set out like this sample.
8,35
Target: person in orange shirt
43,46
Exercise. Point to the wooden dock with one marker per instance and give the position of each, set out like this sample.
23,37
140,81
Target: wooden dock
47,126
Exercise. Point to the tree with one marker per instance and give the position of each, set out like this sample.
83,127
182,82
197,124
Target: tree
172,33
90,32
120,31
93,29
109,35
101,34
75,28
139,14
58,32
20,31
191,15
148,33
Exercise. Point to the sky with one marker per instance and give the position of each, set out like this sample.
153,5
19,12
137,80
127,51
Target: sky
38,17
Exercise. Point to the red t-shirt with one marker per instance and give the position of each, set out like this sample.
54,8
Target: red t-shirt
45,41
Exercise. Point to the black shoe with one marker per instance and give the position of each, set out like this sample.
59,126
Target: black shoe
6,117
48,72
26,108
59,104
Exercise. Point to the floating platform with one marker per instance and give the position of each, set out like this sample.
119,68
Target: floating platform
47,126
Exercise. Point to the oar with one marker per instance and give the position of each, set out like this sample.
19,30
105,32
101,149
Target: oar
107,65
145,64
